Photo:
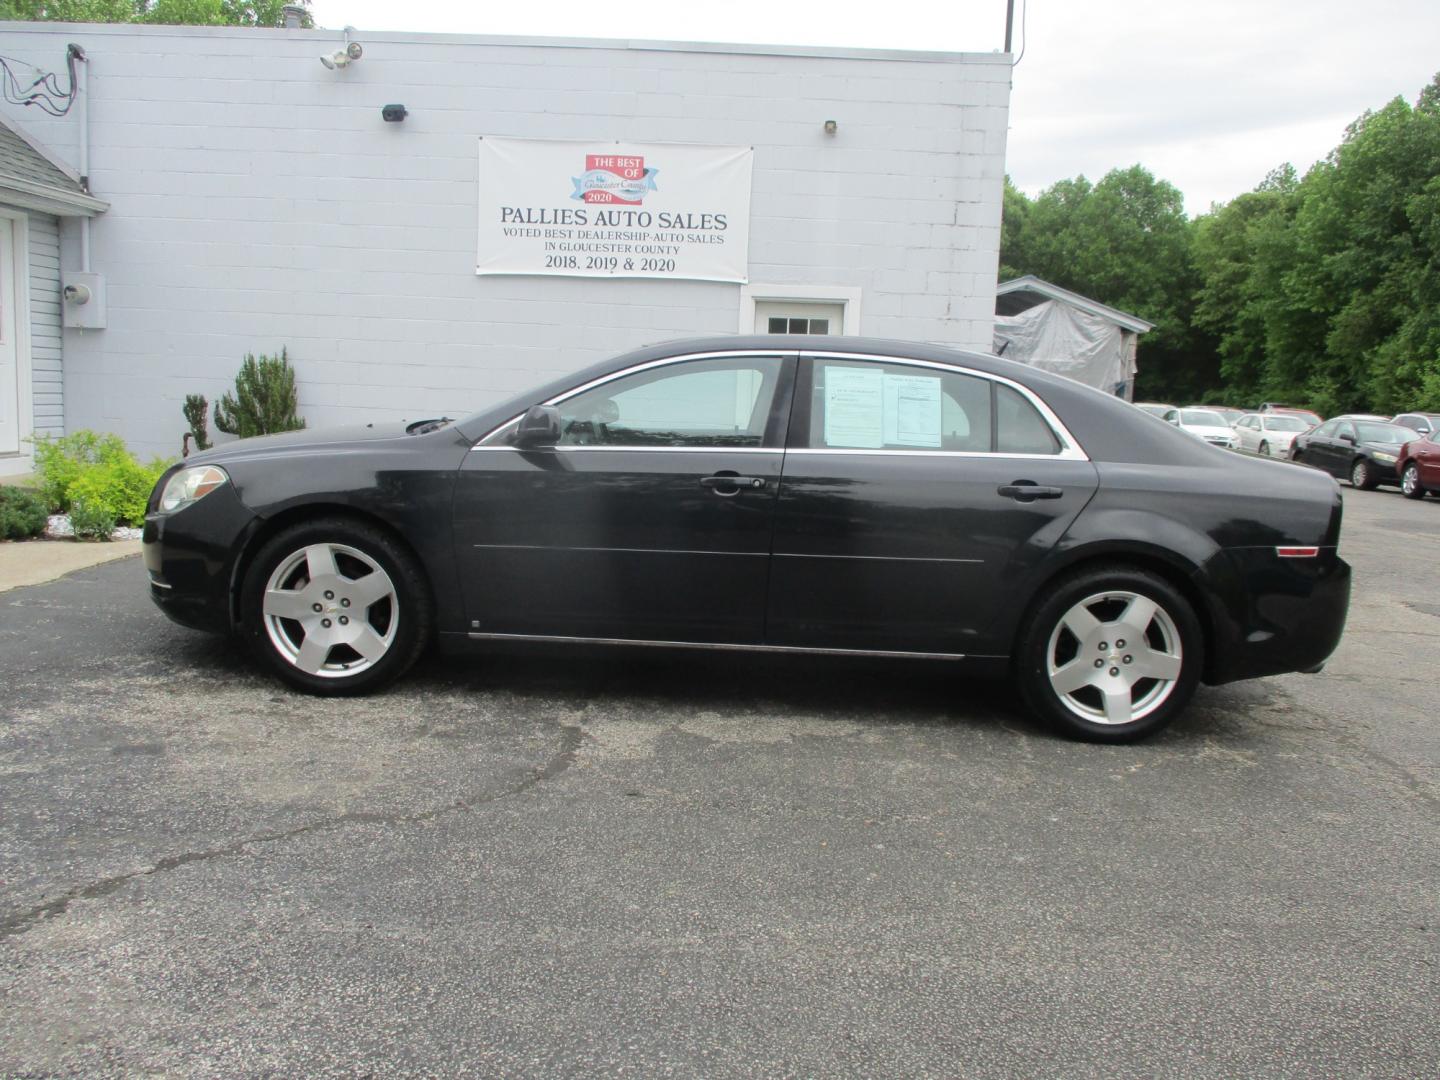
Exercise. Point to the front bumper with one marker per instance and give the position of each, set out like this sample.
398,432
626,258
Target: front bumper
191,556
1274,615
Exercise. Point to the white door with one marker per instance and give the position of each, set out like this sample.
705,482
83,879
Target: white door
798,317
9,357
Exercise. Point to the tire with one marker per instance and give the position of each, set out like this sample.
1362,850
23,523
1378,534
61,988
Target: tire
1410,485
1112,702
340,567
1362,476
1265,450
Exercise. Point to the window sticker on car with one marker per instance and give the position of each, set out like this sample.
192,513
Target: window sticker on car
912,410
854,415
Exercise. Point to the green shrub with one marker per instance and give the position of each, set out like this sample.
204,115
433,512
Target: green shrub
264,401
22,513
61,461
91,519
120,488
101,469
196,410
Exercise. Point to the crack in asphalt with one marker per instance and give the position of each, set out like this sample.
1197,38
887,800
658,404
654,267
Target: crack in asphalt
571,737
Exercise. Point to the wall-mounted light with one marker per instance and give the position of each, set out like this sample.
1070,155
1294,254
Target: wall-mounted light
831,127
345,55
393,114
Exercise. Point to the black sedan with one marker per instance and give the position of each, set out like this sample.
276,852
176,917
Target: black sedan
844,496
1363,451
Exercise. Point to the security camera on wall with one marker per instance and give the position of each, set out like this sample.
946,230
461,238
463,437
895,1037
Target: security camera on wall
342,57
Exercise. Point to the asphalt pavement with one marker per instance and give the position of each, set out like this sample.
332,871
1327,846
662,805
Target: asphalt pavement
559,864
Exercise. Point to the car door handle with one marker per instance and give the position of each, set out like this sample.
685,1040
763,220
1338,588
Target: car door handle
721,481
1028,491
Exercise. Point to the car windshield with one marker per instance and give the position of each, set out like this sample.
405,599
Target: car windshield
1383,433
1201,418
1285,423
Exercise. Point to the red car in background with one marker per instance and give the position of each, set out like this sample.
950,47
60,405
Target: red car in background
1418,465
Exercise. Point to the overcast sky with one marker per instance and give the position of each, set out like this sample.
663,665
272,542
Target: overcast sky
1208,94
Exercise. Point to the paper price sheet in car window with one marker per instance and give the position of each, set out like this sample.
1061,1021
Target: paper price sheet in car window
869,409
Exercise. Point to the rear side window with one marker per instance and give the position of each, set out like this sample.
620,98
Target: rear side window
1019,427
858,405
865,405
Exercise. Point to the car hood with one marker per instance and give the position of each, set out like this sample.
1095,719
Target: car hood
303,440
1205,430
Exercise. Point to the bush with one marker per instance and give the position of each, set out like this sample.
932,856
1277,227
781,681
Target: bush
196,410
61,461
22,513
264,401
120,488
101,470
91,519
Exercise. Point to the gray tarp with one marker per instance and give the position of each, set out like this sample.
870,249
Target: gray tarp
1063,339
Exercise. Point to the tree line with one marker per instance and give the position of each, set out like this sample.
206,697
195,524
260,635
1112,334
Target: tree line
1321,290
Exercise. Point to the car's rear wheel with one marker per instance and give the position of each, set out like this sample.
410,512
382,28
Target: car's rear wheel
1110,655
1362,475
1410,485
335,606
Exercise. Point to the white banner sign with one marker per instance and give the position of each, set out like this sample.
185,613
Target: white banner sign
604,209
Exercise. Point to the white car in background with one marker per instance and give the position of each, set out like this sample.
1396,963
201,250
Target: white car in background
1205,424
1269,433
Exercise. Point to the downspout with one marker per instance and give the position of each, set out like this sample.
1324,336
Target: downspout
83,87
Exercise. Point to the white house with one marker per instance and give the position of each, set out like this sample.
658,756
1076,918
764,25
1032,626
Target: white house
535,204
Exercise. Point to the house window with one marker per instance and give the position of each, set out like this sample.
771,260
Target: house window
780,324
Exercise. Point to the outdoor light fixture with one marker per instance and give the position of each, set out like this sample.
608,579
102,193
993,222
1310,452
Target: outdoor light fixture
393,114
831,127
343,56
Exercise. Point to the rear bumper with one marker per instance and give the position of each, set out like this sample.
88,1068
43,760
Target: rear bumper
1274,615
191,555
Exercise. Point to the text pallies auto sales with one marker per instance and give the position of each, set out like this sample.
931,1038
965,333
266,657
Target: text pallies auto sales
611,218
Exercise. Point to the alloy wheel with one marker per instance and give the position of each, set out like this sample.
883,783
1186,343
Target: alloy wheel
1114,657
1410,482
330,610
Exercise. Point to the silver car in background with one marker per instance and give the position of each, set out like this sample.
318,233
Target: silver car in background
1268,434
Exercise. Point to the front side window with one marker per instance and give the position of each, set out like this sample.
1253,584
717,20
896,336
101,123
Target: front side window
722,402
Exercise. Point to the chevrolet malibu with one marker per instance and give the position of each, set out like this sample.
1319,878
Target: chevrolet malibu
840,495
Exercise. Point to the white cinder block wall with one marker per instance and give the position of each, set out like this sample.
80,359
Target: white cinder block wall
259,200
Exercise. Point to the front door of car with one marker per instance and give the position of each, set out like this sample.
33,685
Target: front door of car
651,517
915,499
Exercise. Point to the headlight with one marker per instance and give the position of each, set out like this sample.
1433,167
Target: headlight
187,485
1388,459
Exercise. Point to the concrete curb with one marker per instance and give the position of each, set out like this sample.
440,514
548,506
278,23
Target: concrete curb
32,562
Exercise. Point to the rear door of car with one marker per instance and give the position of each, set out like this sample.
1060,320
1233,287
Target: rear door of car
914,496
652,518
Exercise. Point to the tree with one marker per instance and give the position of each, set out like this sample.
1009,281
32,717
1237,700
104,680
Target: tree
1125,242
172,12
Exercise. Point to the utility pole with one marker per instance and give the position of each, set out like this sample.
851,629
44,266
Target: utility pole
1009,22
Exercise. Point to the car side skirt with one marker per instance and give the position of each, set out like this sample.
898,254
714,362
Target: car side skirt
558,639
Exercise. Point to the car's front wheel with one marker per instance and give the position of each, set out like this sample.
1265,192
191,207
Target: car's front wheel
1410,485
1111,654
1265,450
336,606
1362,475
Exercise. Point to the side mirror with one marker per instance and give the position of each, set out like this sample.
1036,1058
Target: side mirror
540,426
1348,439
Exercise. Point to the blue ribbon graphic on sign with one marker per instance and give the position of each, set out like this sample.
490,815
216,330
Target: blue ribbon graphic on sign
604,180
